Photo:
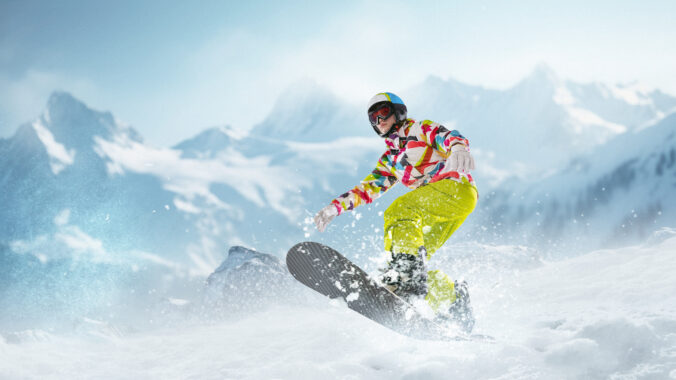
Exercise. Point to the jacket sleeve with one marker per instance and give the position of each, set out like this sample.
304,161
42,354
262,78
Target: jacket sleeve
437,136
380,180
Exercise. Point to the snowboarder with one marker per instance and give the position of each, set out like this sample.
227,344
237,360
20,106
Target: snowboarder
435,162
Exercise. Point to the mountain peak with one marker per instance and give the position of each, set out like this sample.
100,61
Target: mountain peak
543,69
74,123
210,141
541,75
541,82
62,99
308,111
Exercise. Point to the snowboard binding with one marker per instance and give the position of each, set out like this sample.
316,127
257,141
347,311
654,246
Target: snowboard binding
406,275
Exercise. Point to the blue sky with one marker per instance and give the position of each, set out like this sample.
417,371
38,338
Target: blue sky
172,69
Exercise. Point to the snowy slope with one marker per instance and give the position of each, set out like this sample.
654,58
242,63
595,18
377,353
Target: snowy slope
606,314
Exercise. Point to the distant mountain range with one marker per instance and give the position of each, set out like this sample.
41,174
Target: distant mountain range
76,180
556,160
543,121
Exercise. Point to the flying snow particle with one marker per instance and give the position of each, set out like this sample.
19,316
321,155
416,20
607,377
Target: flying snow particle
352,297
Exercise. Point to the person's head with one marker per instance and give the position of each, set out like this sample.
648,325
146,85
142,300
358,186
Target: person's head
385,111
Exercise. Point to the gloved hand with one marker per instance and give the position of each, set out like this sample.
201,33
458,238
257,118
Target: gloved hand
460,160
325,216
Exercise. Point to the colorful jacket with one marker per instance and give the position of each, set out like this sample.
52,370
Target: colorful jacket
416,155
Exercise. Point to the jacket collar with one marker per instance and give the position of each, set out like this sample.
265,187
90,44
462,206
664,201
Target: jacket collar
393,140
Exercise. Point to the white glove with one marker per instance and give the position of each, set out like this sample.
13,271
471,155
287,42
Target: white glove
325,216
460,160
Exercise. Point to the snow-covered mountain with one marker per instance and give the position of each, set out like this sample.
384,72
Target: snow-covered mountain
209,143
54,176
84,167
122,194
248,281
76,168
541,122
308,112
619,193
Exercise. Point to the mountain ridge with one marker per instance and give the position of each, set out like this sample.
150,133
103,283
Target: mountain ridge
98,175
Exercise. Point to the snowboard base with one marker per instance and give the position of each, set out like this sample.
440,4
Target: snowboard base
325,270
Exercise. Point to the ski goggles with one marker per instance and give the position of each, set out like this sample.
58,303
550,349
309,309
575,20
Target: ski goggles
381,113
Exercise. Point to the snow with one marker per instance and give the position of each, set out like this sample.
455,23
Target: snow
178,301
563,96
185,206
70,242
343,150
634,94
59,156
75,240
605,314
255,179
585,118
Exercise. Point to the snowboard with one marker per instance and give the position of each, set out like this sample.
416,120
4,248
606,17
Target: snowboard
325,270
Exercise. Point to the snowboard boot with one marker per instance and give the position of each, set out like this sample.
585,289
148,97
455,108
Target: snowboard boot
460,312
405,275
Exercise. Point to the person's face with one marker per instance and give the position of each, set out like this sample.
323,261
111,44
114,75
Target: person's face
384,125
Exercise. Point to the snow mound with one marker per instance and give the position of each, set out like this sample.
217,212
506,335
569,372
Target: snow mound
607,347
248,281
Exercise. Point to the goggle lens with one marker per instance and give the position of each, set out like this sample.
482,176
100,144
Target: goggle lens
383,112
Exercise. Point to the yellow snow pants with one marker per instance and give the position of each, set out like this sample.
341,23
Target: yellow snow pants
428,216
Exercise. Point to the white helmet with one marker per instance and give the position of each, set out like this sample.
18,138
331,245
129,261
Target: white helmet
381,100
